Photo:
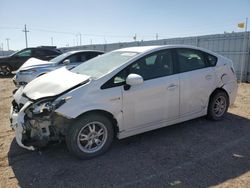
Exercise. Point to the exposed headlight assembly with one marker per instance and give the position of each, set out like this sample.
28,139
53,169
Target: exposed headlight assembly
42,107
47,106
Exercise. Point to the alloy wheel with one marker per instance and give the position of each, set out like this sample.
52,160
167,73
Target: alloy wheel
4,70
220,106
92,137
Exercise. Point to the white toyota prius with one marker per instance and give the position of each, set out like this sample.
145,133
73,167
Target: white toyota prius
122,93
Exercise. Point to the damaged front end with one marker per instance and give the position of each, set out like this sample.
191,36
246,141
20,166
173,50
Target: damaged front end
36,124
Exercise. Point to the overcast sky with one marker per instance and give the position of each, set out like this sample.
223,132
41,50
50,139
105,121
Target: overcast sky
110,21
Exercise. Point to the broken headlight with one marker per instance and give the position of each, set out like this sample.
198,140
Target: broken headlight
47,106
42,107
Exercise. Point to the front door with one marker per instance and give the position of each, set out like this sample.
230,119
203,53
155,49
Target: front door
157,99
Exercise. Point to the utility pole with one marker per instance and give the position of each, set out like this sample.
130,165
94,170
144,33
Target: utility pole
52,43
76,39
156,36
8,47
2,48
26,39
80,38
134,37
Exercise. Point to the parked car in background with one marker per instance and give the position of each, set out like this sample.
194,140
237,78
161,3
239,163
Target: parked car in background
122,93
34,68
16,60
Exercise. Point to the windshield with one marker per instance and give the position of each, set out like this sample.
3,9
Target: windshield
101,65
60,57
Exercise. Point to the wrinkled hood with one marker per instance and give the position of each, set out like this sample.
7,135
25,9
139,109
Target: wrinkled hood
34,63
53,83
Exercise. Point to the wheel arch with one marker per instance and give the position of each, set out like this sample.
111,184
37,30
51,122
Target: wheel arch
109,115
220,89
41,74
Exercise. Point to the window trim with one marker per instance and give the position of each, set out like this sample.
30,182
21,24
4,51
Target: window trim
108,83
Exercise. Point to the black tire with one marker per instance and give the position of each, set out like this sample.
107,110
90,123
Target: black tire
72,138
216,97
5,70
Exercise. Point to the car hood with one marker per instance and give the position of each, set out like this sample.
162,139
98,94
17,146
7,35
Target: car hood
34,63
53,83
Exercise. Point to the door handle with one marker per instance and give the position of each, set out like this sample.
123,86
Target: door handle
172,86
208,77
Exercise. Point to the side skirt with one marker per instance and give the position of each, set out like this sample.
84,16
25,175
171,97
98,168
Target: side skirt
153,126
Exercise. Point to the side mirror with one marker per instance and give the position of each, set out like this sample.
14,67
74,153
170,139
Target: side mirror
134,79
66,61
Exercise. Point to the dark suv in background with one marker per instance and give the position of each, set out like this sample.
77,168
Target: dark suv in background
16,60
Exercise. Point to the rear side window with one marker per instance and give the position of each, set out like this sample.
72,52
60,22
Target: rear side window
190,60
211,60
53,52
40,53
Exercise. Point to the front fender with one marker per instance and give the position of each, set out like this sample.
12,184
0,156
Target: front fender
73,111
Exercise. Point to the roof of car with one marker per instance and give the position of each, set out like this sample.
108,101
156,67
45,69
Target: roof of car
78,51
142,49
138,49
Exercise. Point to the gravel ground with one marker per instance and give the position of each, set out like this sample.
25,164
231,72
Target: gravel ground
197,153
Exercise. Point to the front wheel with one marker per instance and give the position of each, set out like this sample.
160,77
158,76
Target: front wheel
90,136
5,70
218,105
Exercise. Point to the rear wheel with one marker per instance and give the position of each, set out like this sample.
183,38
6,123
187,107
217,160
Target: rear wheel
5,70
90,136
218,105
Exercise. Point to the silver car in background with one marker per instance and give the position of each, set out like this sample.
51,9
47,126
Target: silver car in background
34,68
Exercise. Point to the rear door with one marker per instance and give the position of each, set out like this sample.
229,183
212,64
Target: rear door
197,81
44,54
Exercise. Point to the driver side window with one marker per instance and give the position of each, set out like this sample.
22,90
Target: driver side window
152,66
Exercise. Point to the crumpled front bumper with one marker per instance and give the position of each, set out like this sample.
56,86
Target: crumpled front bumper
17,123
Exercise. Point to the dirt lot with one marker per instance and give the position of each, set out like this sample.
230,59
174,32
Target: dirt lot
197,153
